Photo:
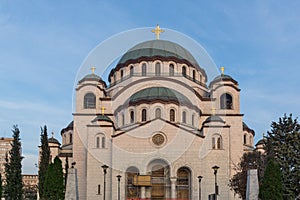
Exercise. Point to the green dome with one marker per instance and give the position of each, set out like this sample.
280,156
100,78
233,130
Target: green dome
158,48
158,93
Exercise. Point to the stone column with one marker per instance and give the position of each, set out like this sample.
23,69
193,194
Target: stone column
143,192
252,185
173,187
72,188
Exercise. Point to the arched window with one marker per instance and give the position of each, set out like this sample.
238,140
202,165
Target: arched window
131,70
245,139
123,119
71,138
132,116
226,101
103,142
144,69
157,69
200,78
100,141
183,183
184,71
89,100
171,70
158,113
122,74
115,77
194,75
250,140
193,119
144,115
217,142
183,117
172,115
132,191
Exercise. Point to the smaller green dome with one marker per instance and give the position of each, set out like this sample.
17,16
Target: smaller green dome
102,118
214,118
53,140
92,77
158,93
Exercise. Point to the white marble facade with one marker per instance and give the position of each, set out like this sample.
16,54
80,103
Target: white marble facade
159,125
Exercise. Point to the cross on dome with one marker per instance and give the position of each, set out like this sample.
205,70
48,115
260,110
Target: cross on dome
93,69
157,31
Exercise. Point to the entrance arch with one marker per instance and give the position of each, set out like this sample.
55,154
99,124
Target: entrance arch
160,179
132,191
184,183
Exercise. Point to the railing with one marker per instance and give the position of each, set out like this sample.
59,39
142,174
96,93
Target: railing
124,78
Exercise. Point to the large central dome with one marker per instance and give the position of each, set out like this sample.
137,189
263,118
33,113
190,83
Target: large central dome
158,48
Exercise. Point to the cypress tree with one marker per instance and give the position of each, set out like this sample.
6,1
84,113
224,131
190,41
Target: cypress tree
44,162
54,182
271,187
0,185
249,160
13,169
282,145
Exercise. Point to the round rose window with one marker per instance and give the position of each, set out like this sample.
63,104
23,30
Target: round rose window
158,139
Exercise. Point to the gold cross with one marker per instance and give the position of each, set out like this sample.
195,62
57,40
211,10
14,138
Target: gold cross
93,69
102,110
157,31
222,70
213,110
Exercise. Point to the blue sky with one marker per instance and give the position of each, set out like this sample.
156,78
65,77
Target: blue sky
43,43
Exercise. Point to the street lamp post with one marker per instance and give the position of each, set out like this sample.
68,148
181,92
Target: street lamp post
104,167
199,178
215,168
119,178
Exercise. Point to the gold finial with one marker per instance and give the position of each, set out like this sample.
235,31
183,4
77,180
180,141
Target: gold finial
157,31
213,110
93,69
222,70
102,110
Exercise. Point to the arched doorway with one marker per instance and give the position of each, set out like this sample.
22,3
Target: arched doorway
160,180
183,183
132,191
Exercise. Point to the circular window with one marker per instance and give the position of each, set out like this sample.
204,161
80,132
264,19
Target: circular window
158,139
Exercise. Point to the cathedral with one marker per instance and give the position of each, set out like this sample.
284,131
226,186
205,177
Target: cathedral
157,130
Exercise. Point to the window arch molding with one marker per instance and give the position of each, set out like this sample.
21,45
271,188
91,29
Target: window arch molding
184,182
144,69
172,66
172,114
132,116
157,68
144,114
184,116
89,100
217,141
158,112
100,141
226,101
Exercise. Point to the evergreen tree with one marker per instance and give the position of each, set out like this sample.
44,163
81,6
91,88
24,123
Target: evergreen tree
44,162
283,145
54,182
249,160
13,169
66,171
271,187
0,185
